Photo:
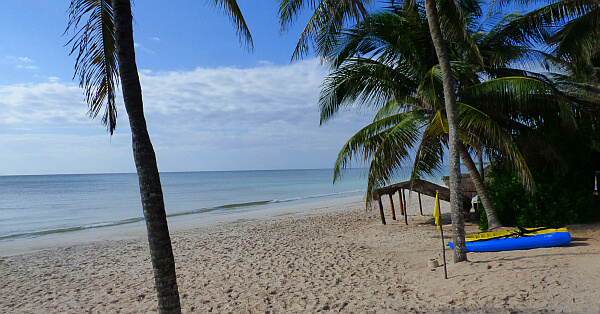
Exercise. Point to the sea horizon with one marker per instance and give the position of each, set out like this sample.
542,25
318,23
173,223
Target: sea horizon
162,172
33,206
39,205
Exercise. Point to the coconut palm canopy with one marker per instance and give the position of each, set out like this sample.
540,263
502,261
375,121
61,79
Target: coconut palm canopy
326,28
569,29
389,63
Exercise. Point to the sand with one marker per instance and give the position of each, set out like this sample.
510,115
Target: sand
333,259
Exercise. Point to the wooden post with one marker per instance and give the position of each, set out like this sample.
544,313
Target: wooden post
405,209
438,221
443,251
401,204
381,209
392,205
420,206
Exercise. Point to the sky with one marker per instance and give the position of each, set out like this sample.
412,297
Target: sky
210,104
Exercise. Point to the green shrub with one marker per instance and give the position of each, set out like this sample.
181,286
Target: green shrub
558,200
563,196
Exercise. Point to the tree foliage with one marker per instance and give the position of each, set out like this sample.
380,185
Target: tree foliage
562,197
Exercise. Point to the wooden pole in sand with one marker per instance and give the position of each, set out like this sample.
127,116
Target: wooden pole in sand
381,209
400,201
437,214
392,204
405,209
420,206
443,251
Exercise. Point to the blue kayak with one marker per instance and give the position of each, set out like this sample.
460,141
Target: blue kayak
521,239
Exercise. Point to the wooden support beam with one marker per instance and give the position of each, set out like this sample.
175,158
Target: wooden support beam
392,205
405,209
423,187
381,209
401,203
420,205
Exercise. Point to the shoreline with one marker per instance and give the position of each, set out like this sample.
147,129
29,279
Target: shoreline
336,259
18,246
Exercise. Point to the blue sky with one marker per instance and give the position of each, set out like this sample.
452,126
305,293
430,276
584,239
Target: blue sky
210,104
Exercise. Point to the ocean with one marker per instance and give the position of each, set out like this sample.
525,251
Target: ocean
40,205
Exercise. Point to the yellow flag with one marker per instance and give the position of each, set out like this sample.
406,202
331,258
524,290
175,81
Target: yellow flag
436,212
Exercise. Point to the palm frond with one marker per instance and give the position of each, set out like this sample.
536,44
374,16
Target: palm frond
454,18
508,42
576,21
554,13
364,143
522,98
577,40
429,157
96,63
430,88
393,107
389,37
232,10
362,81
327,20
366,38
386,143
478,128
393,152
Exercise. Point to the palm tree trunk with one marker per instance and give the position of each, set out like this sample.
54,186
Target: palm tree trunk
492,217
153,205
480,162
458,222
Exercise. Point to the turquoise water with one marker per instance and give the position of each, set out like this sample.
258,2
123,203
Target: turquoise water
32,206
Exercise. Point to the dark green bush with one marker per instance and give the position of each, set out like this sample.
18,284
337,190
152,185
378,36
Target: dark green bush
563,195
558,200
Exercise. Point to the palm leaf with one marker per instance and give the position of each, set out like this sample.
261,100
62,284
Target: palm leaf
393,152
364,143
478,128
454,17
327,20
523,98
362,81
232,9
96,64
429,157
386,142
577,40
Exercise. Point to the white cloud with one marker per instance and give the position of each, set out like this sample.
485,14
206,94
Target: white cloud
265,117
28,67
140,47
40,106
235,98
19,62
24,59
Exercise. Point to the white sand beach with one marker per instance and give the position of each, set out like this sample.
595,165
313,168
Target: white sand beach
333,259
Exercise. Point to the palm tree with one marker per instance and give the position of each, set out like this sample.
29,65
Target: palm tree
326,24
441,50
391,64
105,48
